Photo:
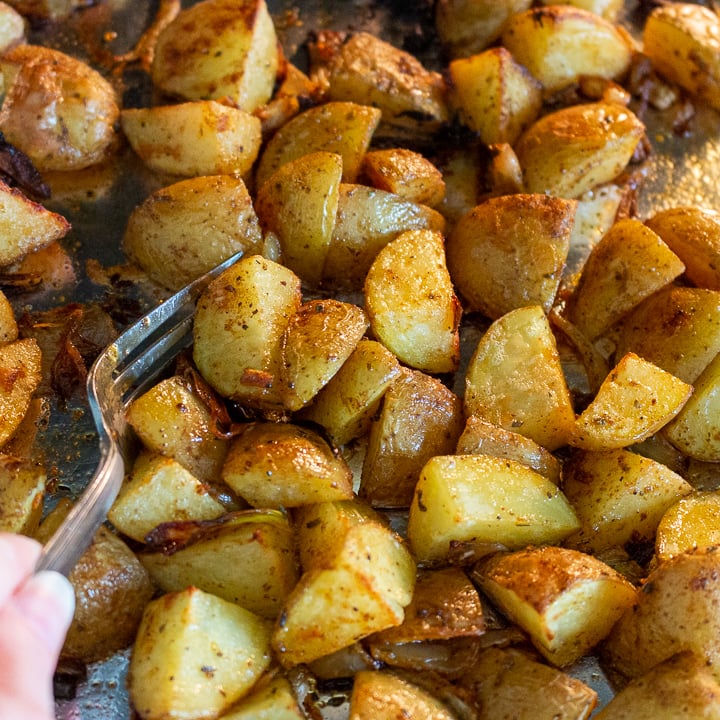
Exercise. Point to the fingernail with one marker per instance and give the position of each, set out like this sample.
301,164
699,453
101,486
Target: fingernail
48,602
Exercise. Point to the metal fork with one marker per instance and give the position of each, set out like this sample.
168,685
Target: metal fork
124,370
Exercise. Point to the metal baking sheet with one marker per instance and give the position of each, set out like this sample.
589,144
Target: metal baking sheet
683,170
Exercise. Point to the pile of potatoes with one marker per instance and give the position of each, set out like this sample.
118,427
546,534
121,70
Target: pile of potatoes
410,446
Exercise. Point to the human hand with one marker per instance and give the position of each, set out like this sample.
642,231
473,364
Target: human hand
35,612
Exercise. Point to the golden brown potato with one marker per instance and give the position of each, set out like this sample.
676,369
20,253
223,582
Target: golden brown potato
299,203
693,234
519,350
570,151
346,405
509,683
276,465
195,655
158,490
274,699
207,555
619,497
494,95
689,523
560,43
242,315
22,492
419,418
378,695
411,302
483,503
405,173
635,400
469,26
681,41
367,220
181,231
609,9
66,125
109,582
344,128
695,430
565,600
193,138
216,49
630,263
682,686
20,368
362,589
8,323
369,71
676,328
483,438
521,242
676,611
26,225
317,341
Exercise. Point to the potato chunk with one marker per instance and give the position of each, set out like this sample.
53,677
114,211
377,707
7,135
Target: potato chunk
515,379
181,231
22,491
276,465
26,226
510,251
570,151
20,368
193,138
689,523
216,49
412,304
676,611
242,315
57,109
565,600
195,655
681,41
484,501
559,44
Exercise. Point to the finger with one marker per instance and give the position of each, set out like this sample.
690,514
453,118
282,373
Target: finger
33,624
47,603
18,556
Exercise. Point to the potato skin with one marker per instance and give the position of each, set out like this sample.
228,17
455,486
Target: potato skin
110,583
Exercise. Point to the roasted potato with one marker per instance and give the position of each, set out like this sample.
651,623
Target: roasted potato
369,71
521,242
519,351
484,502
693,234
217,49
560,43
282,465
619,497
57,109
494,95
676,611
22,492
688,523
207,555
299,204
272,700
195,653
26,226
419,418
193,138
243,314
318,339
570,151
681,41
628,264
565,600
185,229
20,368
344,128
159,489
411,302
468,26
109,582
